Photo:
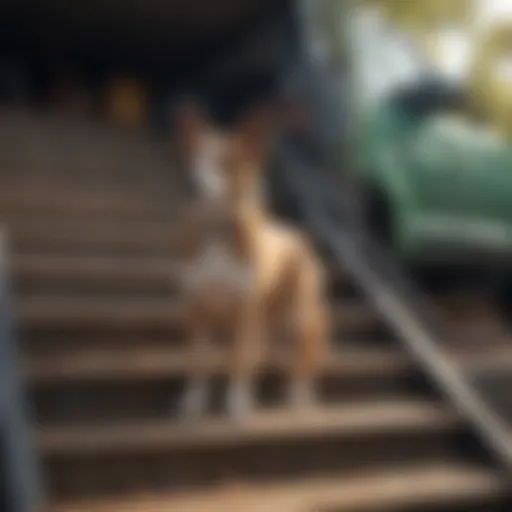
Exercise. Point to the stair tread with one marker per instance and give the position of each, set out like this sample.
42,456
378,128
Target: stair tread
380,417
35,201
399,488
128,311
72,229
99,268
146,362
156,362
137,275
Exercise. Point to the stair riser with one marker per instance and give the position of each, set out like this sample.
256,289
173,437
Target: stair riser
112,286
70,330
90,403
106,246
109,283
490,504
265,461
22,207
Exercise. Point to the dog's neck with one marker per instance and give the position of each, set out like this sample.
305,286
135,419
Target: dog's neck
249,195
208,179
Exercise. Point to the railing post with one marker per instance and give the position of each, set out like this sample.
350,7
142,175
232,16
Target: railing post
23,484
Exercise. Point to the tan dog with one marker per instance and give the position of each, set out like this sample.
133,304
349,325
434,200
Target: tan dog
250,270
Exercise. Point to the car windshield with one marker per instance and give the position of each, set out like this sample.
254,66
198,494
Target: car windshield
427,97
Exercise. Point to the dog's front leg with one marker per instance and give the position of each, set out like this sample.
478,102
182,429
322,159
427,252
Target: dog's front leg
195,398
248,343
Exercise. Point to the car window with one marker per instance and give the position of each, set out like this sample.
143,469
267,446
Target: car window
428,98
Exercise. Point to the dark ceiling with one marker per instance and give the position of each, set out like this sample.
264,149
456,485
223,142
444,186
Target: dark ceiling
176,32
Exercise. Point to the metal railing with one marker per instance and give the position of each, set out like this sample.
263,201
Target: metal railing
399,302
326,195
23,485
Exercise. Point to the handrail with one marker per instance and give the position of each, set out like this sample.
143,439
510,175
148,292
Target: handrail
394,296
23,481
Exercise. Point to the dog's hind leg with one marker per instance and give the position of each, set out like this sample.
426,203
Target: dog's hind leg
311,331
248,343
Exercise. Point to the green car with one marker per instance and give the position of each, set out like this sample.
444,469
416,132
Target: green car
437,186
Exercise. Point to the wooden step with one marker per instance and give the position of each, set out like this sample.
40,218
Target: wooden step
146,362
478,333
359,420
153,363
87,235
393,489
84,312
149,315
70,201
107,235
102,274
95,273
84,386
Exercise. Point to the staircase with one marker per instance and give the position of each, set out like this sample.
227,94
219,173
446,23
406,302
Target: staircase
104,361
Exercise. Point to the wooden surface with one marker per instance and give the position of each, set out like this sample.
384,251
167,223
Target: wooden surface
105,359
82,312
386,490
153,362
350,420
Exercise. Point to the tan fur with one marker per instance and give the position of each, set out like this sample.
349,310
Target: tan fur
287,267
286,276
289,278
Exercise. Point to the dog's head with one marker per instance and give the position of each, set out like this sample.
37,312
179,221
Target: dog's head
221,164
201,148
246,154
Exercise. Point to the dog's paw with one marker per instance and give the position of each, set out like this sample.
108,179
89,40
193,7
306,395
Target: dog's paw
194,402
239,401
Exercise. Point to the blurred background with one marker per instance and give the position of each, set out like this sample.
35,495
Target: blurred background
393,151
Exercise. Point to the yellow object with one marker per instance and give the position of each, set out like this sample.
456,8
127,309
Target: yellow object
491,80
426,21
429,22
423,14
126,102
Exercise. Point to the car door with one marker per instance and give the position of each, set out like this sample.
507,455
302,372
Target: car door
435,175
500,185
464,185
488,188
484,188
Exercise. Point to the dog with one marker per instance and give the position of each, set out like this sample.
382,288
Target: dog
246,270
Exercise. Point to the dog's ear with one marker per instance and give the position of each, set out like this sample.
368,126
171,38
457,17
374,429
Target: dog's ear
256,132
189,127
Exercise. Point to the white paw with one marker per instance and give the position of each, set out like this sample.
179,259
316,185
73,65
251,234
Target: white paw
195,400
301,394
239,401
